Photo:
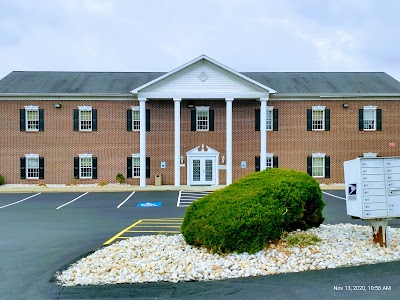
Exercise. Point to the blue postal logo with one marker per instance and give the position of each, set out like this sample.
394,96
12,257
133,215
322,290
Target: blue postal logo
352,191
149,204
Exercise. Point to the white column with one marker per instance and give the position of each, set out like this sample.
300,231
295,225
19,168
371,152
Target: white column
228,140
263,132
142,108
177,130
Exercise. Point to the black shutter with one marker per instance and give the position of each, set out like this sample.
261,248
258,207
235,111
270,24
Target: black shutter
94,120
309,165
22,167
76,121
129,119
327,119
327,167
309,120
360,119
41,119
257,117
129,167
94,167
211,124
147,167
193,120
275,116
147,119
41,168
76,167
257,163
275,162
379,119
22,119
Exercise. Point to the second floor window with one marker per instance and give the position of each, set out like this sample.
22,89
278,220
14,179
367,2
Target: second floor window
85,119
369,116
202,119
31,119
318,119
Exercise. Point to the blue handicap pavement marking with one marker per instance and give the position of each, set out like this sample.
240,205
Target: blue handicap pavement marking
149,204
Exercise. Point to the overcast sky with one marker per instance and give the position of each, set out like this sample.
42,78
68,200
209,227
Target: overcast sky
160,35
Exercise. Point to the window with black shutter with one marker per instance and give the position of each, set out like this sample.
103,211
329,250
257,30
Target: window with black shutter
147,167
129,167
257,163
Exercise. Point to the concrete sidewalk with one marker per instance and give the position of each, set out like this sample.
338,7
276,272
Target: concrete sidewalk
9,188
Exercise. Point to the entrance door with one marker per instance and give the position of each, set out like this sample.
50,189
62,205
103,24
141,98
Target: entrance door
202,170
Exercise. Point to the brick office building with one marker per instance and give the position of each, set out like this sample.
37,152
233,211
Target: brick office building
200,124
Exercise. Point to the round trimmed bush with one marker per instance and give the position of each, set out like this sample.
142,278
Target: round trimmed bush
251,213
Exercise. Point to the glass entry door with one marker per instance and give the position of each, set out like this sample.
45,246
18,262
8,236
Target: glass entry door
202,169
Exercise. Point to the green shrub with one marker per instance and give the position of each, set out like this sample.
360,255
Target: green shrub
120,178
254,211
1,180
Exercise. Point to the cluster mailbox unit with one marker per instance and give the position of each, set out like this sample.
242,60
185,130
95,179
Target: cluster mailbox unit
373,190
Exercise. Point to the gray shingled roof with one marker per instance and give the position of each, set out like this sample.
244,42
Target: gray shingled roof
123,83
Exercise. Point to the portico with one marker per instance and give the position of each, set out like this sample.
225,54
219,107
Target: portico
202,79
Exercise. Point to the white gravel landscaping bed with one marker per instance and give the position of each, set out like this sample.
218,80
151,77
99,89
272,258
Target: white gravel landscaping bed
168,258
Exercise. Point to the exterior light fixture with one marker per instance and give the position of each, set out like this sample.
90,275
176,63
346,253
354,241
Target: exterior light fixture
345,105
223,159
181,159
57,105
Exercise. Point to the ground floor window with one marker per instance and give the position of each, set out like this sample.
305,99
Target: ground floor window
85,167
318,165
135,166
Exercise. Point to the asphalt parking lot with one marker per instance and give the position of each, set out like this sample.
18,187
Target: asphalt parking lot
42,233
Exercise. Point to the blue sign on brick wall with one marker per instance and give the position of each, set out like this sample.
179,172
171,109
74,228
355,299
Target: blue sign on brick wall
149,204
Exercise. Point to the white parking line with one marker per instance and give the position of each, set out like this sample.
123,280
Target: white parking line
72,200
334,196
179,199
20,200
122,203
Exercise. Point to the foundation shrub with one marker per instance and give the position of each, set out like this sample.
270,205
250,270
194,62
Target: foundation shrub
253,212
1,180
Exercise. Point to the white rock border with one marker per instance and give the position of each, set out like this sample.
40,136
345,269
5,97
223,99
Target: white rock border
168,258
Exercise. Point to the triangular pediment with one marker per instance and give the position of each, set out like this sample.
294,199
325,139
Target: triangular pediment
202,150
203,78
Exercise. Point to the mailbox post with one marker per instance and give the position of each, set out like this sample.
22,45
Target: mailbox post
373,192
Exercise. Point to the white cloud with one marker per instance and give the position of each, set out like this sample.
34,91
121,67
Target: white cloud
160,35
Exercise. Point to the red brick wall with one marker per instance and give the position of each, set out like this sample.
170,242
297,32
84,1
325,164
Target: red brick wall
112,143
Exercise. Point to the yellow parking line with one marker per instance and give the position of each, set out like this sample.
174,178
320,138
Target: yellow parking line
121,233
158,226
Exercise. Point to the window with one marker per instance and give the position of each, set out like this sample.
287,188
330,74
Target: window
85,119
32,166
318,119
318,165
31,119
135,166
135,119
369,117
270,118
271,162
85,166
202,118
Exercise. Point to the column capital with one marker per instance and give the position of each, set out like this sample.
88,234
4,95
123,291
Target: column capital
142,99
177,99
264,99
229,99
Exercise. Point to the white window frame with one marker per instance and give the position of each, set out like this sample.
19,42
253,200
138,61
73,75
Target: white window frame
314,124
369,109
270,118
136,165
28,110
28,172
269,160
135,118
319,156
202,110
85,157
90,122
